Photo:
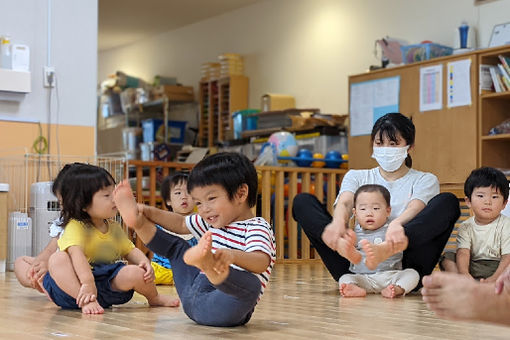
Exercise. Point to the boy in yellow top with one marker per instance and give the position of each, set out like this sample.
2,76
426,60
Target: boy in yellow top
88,271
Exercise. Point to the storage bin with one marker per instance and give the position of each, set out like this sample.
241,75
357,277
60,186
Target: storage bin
153,131
421,52
243,121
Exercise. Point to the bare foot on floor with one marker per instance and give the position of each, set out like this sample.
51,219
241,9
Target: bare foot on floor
458,297
346,246
201,257
392,291
377,253
351,290
164,301
92,308
126,204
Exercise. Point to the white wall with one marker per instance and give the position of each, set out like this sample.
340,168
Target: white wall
305,48
73,54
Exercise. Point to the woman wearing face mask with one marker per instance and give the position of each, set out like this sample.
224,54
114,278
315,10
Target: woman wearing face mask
421,218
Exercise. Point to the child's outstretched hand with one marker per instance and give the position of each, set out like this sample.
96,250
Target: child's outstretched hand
86,294
149,275
223,258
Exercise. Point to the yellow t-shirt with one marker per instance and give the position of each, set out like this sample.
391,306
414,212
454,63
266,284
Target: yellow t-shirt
98,247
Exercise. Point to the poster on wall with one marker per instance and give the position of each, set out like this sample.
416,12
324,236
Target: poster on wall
370,100
459,83
431,88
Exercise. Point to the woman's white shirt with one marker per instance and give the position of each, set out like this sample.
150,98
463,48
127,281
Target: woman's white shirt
413,185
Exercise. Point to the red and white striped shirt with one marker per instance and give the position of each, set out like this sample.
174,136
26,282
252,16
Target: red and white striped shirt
250,235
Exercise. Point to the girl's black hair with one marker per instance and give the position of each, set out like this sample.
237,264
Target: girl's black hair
168,183
228,169
57,182
392,124
80,183
486,177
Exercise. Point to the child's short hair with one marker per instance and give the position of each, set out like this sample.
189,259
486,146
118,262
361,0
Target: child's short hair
486,177
373,188
79,185
228,169
168,183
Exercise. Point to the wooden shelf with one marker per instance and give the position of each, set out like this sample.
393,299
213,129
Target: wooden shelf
503,136
493,110
15,81
499,95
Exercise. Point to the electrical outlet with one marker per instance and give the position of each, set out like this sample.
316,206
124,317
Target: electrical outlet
49,76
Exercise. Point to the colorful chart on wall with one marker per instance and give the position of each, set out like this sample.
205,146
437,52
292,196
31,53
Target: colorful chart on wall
431,88
370,100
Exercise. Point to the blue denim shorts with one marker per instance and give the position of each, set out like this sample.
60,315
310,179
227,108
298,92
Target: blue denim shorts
106,296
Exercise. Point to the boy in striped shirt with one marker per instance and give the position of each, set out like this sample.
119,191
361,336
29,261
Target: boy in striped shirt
221,279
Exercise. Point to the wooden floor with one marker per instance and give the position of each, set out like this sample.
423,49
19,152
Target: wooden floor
302,302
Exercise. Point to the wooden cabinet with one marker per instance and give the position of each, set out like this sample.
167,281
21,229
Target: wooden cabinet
446,139
450,142
494,109
218,100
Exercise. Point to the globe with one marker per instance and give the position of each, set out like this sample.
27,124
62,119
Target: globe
285,144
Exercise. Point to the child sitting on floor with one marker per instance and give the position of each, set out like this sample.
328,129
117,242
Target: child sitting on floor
88,271
174,192
372,209
483,241
221,279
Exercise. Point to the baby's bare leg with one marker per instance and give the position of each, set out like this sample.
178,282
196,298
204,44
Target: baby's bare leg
377,253
392,291
131,277
346,246
201,257
351,290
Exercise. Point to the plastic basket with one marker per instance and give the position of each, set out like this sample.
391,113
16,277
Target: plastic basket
421,52
153,131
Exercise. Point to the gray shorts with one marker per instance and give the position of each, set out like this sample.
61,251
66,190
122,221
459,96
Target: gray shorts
479,269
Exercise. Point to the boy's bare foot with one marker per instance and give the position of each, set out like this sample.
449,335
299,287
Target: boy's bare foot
392,291
92,308
164,301
126,204
201,257
346,246
458,297
377,253
351,290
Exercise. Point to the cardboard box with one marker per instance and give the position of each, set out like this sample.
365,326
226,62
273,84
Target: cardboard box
175,93
275,102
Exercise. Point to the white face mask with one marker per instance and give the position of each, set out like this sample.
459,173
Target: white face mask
390,158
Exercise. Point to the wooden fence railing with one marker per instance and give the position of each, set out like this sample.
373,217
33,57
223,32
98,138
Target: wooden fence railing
277,187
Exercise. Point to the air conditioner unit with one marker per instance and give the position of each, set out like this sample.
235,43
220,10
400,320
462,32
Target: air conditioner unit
44,209
20,237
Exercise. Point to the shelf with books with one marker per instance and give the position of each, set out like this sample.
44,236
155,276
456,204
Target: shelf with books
494,110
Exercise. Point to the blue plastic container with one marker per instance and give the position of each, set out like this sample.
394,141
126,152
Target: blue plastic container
421,52
153,131
244,122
